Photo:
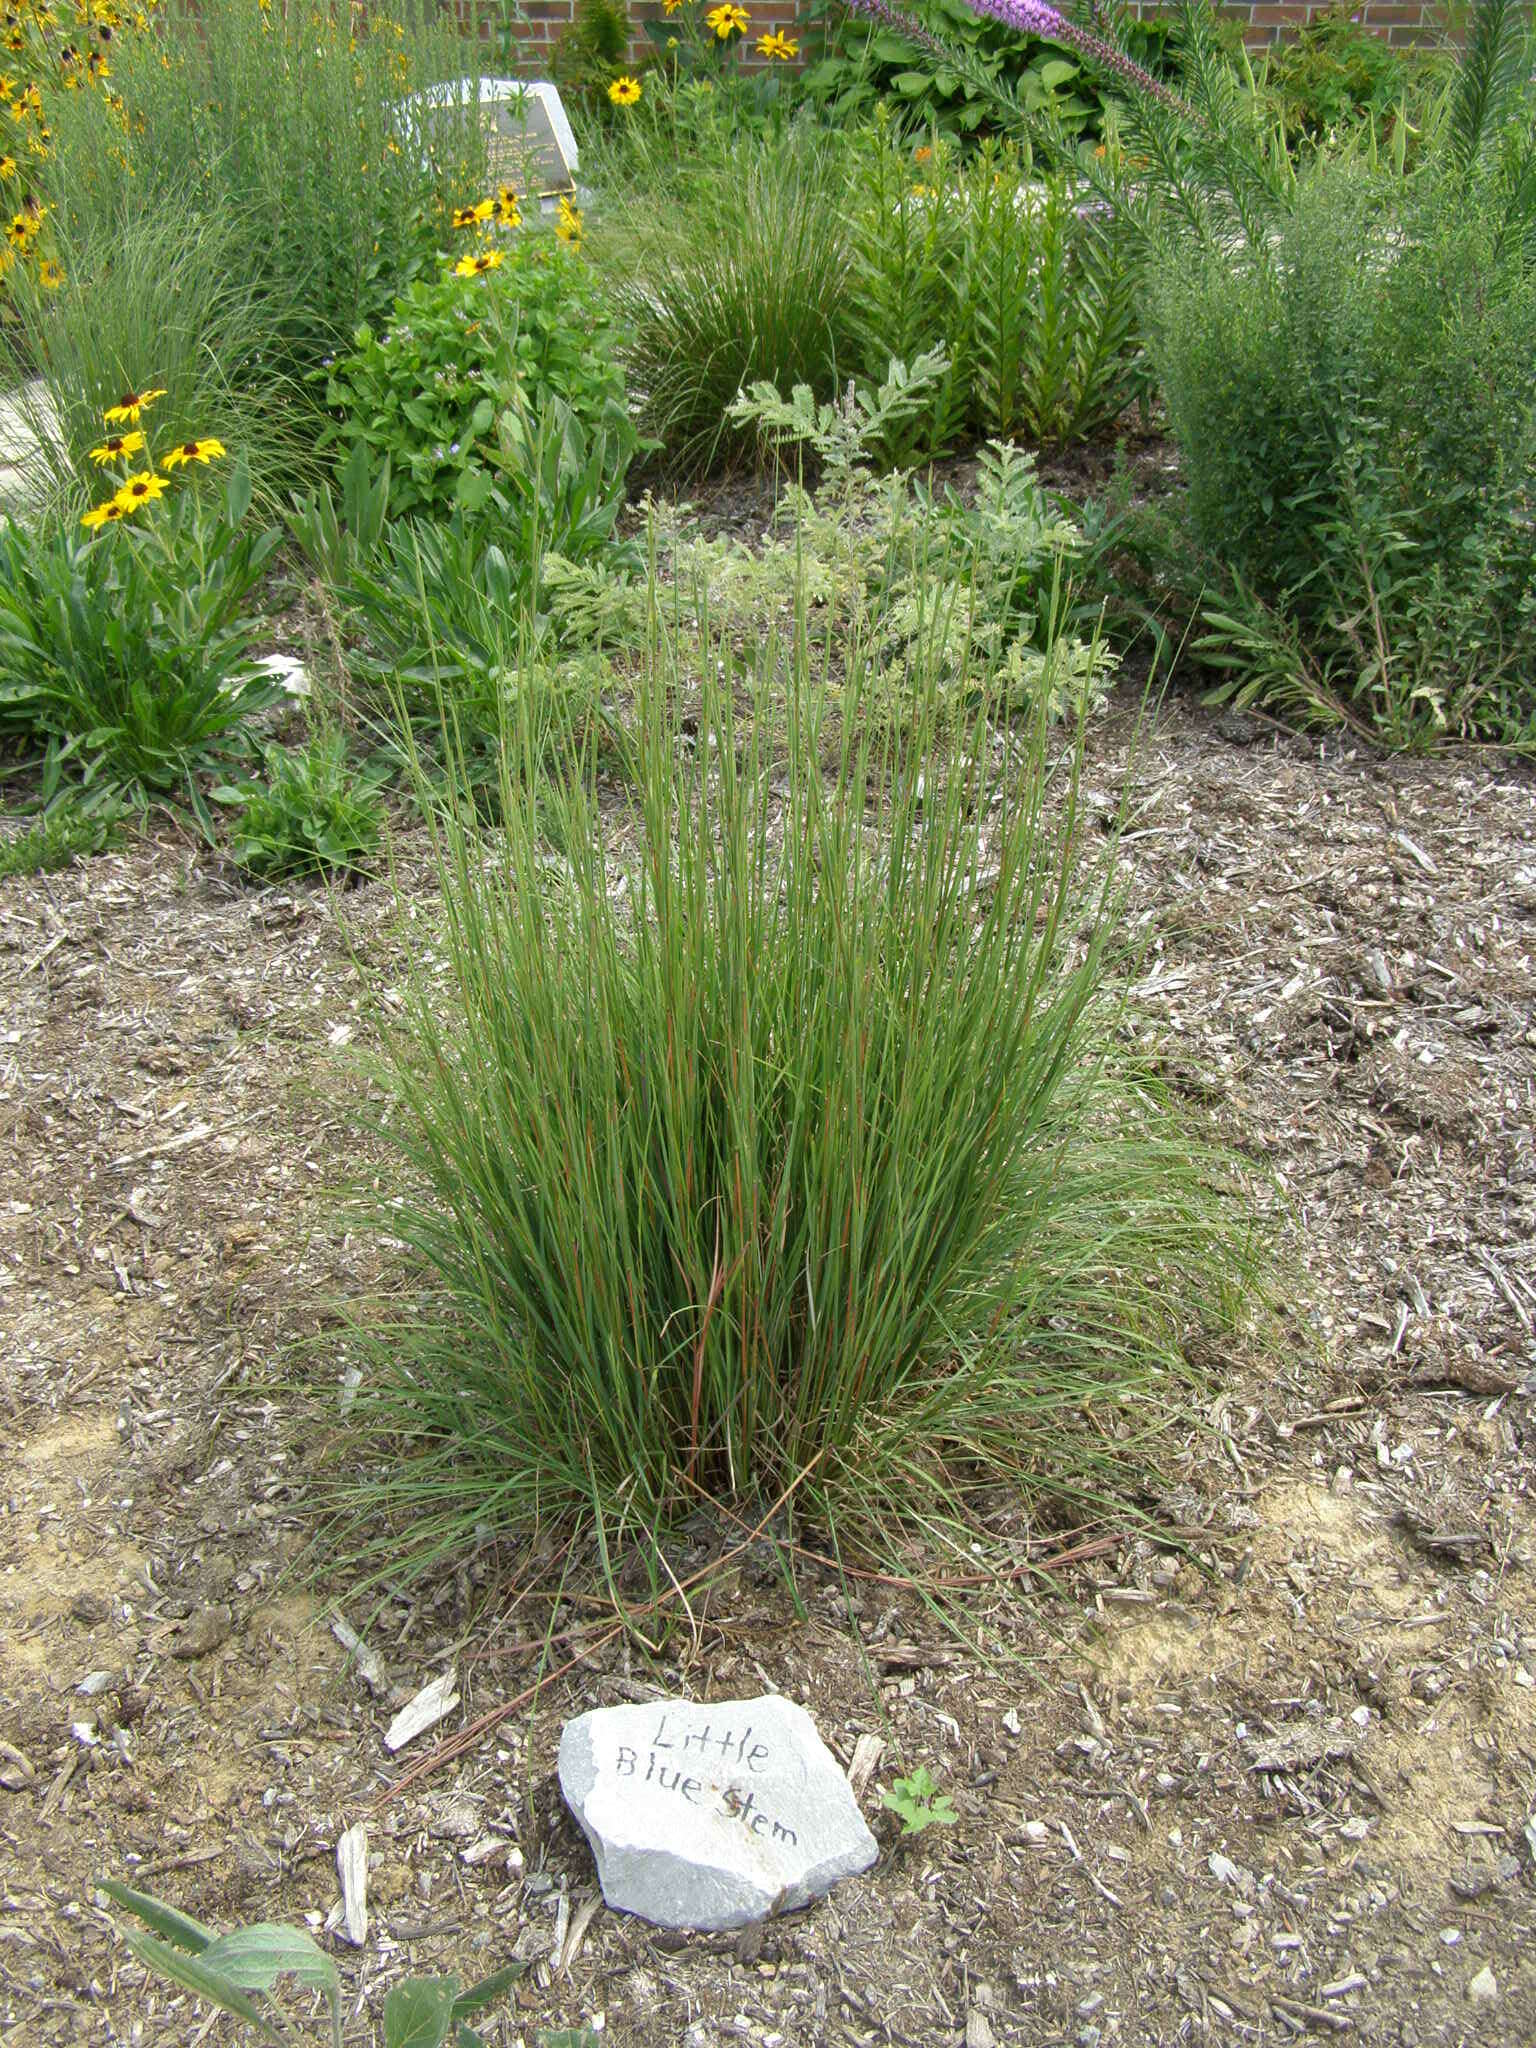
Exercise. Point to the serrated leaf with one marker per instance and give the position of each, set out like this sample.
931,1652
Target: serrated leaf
193,1974
179,1929
419,2012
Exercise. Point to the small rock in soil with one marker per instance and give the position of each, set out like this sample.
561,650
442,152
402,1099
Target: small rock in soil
207,1629
711,1816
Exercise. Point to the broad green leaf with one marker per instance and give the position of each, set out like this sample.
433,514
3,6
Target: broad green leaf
419,2012
255,1957
1057,70
178,1928
479,1996
193,1974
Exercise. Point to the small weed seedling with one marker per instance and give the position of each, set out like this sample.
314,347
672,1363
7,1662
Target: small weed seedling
230,1970
919,1803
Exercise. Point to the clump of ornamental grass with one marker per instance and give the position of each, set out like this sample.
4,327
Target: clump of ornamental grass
738,275
780,1138
170,289
291,122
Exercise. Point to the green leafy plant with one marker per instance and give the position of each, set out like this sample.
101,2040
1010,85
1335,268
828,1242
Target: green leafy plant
590,52
855,64
337,536
231,1971
457,590
66,832
126,655
954,580
311,813
1031,291
785,1137
426,394
1336,74
919,1804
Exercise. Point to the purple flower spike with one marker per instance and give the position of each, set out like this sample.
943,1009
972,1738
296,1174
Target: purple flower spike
1026,18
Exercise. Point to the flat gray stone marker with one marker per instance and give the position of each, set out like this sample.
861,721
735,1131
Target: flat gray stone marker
711,1816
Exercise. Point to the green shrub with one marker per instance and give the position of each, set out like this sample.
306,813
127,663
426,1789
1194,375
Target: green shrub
126,655
786,1135
1336,74
730,272
425,395
311,813
1357,426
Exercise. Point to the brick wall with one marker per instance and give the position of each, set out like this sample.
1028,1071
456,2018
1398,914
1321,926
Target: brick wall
545,21
1399,22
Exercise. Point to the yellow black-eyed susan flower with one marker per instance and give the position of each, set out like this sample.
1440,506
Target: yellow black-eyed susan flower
7,167
624,91
568,222
727,20
205,451
130,405
471,216
777,44
117,448
50,275
478,264
106,514
142,489
20,229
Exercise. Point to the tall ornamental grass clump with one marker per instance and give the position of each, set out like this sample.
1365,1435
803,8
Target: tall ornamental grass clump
284,119
783,1134
730,272
172,290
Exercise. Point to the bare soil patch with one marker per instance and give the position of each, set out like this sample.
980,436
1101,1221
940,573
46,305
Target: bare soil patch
1284,1784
